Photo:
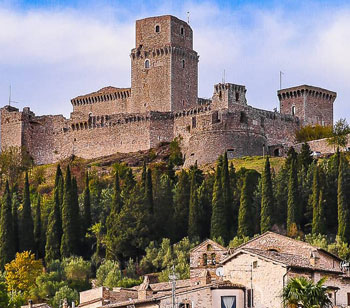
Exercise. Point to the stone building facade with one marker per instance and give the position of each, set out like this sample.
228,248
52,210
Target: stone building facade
252,275
163,104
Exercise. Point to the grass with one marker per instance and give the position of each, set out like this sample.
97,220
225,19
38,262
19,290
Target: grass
257,163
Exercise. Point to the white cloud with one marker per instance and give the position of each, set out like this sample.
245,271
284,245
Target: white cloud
52,55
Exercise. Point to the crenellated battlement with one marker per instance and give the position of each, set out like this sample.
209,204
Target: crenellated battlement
162,104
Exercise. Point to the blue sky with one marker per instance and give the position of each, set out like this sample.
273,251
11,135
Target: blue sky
52,51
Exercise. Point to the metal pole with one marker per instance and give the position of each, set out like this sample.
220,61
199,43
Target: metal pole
173,288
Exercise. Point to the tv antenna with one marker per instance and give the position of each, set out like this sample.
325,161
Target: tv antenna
281,73
188,17
173,278
10,97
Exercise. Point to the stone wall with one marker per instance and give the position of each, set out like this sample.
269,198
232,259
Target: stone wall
266,278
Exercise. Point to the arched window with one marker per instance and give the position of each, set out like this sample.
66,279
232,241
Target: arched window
182,31
147,63
157,28
205,259
183,63
293,110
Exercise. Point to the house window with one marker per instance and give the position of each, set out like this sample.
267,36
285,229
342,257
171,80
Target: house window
213,258
185,305
293,110
348,299
250,299
157,28
228,301
205,259
147,63
237,96
244,118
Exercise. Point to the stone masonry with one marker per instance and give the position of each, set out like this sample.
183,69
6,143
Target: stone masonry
163,104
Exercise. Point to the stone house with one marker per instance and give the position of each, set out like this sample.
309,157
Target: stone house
252,275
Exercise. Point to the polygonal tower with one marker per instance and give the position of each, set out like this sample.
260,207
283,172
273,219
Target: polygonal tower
310,104
164,66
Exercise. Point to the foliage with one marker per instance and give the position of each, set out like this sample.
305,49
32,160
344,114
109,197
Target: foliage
339,137
238,241
267,202
77,272
65,293
21,273
301,291
175,152
313,132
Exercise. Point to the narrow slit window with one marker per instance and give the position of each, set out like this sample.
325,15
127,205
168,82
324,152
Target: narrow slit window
147,64
157,28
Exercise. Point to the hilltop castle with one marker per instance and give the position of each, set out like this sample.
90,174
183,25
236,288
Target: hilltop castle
162,104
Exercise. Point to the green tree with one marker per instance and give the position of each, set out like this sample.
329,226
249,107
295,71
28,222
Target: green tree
194,214
246,219
27,230
267,202
38,236
54,229
7,247
112,217
343,200
204,209
218,218
293,202
68,219
318,219
87,221
15,206
303,292
228,199
305,156
148,197
340,134
281,196
77,230
181,205
65,293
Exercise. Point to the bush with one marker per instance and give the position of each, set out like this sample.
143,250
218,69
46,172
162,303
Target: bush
65,293
309,133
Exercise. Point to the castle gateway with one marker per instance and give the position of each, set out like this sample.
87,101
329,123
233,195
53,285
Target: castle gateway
162,104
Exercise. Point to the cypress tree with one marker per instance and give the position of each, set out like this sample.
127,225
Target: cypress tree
15,206
112,217
148,197
143,176
54,233
321,214
194,215
67,241
292,205
281,196
315,200
163,209
267,202
7,247
87,221
77,230
245,215
38,230
59,183
27,230
305,156
205,211
219,212
228,200
181,206
343,199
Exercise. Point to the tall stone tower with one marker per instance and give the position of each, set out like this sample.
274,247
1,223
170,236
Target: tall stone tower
164,66
310,104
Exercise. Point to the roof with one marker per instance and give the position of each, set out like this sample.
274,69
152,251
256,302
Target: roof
285,259
303,87
211,242
42,305
284,237
103,91
162,295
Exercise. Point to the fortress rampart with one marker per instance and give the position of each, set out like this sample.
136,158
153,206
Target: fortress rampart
163,104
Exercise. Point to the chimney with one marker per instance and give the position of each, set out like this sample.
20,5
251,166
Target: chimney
30,303
73,304
145,290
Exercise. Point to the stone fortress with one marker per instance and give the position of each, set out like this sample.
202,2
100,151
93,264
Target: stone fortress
163,104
